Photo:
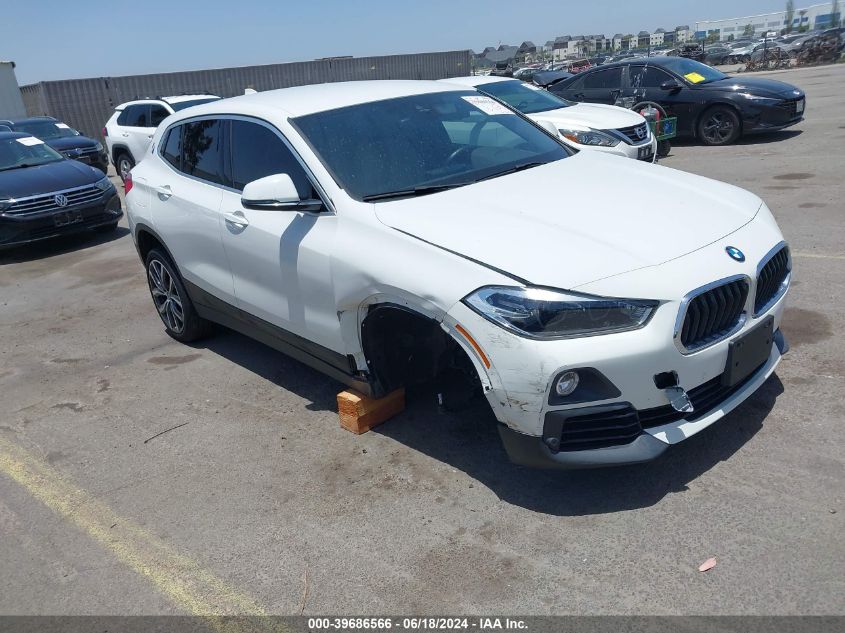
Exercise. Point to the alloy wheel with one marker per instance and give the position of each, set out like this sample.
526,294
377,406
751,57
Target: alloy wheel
166,296
124,167
718,128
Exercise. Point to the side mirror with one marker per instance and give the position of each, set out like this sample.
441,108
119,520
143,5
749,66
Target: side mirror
670,86
549,127
276,193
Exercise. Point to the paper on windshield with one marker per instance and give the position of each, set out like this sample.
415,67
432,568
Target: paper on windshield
63,126
29,140
487,105
694,78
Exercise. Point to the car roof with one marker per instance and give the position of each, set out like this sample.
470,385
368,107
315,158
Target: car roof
5,136
303,100
173,99
31,119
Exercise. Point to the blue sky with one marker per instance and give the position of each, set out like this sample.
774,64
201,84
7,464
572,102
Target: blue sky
89,38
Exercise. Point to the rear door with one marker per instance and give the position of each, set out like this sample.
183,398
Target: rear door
186,185
644,83
136,130
594,86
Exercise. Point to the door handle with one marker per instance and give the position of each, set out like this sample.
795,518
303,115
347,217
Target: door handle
125,134
237,218
164,192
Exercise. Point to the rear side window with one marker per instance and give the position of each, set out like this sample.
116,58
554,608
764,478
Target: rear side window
157,115
202,153
258,152
172,147
135,116
610,78
647,77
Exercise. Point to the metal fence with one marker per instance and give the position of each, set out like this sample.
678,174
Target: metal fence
86,104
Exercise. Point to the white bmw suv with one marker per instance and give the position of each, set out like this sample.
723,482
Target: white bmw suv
590,126
394,232
130,128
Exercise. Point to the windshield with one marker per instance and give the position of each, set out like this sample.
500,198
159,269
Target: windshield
410,145
522,97
187,104
46,129
26,151
693,71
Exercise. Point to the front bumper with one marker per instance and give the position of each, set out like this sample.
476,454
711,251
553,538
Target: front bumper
17,231
771,118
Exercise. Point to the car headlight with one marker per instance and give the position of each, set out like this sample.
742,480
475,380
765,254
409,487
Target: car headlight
99,146
589,137
761,100
543,313
104,184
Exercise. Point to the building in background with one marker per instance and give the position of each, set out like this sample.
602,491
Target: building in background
11,102
817,16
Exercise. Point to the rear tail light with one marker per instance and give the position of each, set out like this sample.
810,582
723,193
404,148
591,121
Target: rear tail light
127,184
105,131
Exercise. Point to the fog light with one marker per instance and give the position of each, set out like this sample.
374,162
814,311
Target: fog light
567,383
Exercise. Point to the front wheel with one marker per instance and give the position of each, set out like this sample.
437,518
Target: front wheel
171,300
719,126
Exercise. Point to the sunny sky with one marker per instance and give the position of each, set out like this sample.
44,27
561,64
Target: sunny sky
57,39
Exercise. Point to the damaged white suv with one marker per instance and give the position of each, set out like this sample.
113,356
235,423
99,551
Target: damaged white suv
394,232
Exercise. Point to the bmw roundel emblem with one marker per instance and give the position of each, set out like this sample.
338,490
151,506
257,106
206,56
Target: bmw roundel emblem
60,200
735,254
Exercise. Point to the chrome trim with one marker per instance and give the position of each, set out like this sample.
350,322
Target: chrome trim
692,294
49,197
626,139
784,285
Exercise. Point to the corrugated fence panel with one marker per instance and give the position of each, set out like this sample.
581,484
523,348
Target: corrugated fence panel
86,104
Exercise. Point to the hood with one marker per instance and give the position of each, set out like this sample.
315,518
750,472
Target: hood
597,116
31,181
757,86
71,142
576,220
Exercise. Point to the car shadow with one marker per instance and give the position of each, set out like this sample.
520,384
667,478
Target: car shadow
762,138
60,245
471,443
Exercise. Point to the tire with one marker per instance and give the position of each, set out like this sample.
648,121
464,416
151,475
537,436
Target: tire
171,300
719,125
122,164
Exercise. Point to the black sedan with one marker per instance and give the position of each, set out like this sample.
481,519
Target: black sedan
63,138
710,105
43,194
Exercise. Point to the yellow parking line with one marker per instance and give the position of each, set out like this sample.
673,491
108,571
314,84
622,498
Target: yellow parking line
178,577
818,256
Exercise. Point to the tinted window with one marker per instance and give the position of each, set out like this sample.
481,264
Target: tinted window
647,76
202,155
135,116
258,152
172,147
610,78
157,115
181,105
560,88
395,147
520,96
685,67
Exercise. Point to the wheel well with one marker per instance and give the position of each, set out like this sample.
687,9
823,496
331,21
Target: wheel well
117,150
404,348
147,242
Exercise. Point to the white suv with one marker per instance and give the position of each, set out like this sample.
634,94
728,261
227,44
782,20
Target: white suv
129,130
395,232
590,126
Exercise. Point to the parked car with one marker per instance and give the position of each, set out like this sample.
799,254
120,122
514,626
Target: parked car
580,125
718,55
43,194
131,126
62,138
526,74
692,51
502,69
547,77
390,233
578,65
710,105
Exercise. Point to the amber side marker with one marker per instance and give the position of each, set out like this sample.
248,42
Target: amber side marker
475,345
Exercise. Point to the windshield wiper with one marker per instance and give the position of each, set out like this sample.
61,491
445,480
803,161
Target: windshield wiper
513,170
422,190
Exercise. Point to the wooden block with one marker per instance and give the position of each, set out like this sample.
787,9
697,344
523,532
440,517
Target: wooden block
359,413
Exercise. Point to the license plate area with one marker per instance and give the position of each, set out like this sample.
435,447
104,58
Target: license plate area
747,353
644,153
64,218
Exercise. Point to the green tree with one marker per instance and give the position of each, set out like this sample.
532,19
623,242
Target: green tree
749,29
790,14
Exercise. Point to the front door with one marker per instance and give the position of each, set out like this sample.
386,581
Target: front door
280,259
644,83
